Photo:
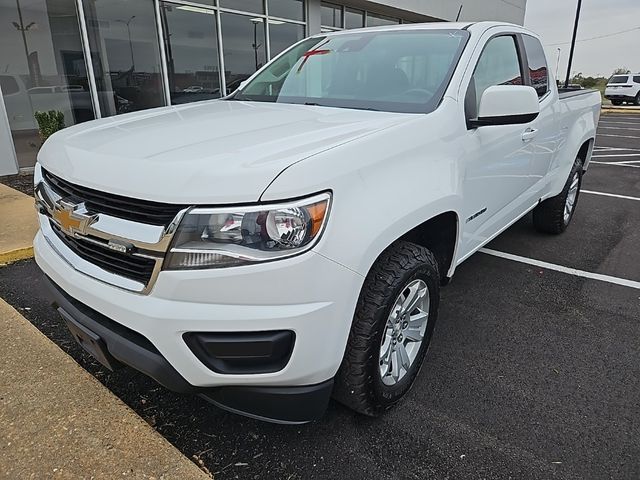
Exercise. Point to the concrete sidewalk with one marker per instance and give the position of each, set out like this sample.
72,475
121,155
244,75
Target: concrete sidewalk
18,225
58,421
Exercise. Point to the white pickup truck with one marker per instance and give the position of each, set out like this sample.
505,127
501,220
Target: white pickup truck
288,242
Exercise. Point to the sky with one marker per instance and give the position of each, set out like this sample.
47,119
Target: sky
553,20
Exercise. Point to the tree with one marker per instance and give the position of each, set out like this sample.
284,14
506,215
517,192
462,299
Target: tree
621,71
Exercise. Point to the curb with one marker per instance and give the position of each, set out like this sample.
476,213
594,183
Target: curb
62,423
16,255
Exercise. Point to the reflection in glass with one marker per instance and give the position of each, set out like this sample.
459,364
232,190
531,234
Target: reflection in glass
42,68
293,9
244,47
192,52
331,15
254,6
375,20
538,69
283,35
124,45
353,18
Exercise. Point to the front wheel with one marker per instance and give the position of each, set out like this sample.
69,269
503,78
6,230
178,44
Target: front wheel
636,102
554,214
391,330
616,103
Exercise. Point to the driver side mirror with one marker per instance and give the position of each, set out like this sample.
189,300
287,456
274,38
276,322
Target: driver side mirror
507,105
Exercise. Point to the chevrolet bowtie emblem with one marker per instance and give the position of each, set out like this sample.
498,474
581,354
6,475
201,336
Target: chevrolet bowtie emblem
71,218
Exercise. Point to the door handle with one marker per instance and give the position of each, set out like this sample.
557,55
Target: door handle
529,134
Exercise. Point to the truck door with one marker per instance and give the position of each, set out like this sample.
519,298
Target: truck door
545,134
497,167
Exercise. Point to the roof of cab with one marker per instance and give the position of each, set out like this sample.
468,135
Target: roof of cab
476,26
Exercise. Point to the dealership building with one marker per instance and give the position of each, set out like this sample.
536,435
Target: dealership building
97,58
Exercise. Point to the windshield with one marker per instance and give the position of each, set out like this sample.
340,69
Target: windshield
619,79
394,71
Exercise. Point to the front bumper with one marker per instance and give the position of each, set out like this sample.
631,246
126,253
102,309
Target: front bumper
309,295
124,346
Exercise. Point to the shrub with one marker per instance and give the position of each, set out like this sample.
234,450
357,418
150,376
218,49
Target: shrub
49,122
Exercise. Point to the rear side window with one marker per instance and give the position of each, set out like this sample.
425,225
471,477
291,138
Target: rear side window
8,85
619,79
636,79
499,64
538,69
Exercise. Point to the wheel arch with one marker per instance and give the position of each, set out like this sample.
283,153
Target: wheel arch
585,153
440,235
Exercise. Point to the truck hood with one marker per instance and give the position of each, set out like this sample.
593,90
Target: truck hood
212,152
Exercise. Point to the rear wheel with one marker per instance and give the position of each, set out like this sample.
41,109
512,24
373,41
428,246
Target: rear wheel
554,214
391,330
637,100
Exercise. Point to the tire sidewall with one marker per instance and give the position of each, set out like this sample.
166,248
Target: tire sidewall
577,168
388,395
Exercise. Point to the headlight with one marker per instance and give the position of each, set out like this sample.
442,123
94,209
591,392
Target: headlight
226,237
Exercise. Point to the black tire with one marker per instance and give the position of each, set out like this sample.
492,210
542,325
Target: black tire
359,383
636,102
549,216
617,103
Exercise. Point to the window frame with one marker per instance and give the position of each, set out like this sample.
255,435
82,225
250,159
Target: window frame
524,73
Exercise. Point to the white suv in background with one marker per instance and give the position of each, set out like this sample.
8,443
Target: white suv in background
623,88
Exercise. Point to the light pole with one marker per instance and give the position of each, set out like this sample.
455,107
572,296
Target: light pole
128,23
573,43
23,29
255,45
558,62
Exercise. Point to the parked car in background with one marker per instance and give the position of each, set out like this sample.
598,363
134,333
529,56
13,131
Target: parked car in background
288,242
22,102
623,88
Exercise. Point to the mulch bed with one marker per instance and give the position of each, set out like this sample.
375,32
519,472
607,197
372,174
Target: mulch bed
22,183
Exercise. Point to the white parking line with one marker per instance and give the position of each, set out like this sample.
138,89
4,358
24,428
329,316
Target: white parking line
609,122
626,129
617,136
626,197
559,268
614,155
598,148
614,164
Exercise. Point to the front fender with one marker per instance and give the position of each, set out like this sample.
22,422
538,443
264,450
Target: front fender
383,186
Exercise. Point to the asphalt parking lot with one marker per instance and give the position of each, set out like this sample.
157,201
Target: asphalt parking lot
533,372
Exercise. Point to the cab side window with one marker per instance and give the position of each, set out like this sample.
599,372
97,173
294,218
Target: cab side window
499,64
538,69
636,79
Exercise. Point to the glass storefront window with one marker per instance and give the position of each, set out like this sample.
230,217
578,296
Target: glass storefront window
191,46
292,9
375,20
123,37
42,68
244,40
330,15
283,35
253,6
353,18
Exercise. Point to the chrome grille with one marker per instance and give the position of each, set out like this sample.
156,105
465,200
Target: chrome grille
133,267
